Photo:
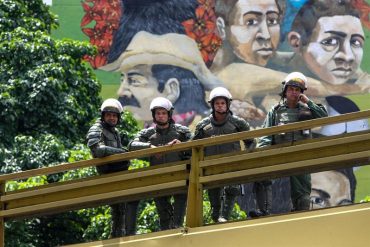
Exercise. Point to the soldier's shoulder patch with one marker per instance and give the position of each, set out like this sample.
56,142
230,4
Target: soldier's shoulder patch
94,134
203,123
95,131
182,129
147,132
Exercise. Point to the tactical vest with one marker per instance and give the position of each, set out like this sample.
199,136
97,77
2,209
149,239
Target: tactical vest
212,128
100,134
160,137
111,138
284,115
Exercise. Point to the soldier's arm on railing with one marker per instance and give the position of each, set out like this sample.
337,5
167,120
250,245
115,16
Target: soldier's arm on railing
141,140
100,150
97,146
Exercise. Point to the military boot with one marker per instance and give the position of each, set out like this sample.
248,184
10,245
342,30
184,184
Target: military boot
165,212
230,194
227,207
263,199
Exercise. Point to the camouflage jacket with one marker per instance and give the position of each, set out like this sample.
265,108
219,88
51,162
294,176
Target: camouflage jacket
208,127
160,137
280,114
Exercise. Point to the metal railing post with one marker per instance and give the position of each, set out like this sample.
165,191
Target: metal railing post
194,213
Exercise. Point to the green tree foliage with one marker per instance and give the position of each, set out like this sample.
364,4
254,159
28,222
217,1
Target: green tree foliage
48,99
45,86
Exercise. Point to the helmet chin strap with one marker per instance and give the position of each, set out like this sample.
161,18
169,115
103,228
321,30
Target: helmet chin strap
161,123
224,112
109,124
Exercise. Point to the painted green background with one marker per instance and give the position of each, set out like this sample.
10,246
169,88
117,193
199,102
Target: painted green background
70,13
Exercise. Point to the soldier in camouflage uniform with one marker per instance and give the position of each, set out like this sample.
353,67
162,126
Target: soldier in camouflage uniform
166,132
295,106
222,122
103,140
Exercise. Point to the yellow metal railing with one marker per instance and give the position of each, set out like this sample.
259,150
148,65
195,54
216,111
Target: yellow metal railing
325,153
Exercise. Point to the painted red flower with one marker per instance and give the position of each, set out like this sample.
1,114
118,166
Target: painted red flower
208,46
364,8
106,14
203,24
97,61
202,30
91,14
207,4
101,38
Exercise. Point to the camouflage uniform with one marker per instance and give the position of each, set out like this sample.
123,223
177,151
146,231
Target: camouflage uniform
208,127
104,140
279,115
170,216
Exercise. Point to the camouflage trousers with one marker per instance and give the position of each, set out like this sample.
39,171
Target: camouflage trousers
222,201
124,219
171,216
300,191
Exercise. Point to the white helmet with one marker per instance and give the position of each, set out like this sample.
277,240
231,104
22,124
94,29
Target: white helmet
296,79
111,105
220,92
161,102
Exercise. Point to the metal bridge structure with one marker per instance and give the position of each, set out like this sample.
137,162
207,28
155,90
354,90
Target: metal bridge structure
336,226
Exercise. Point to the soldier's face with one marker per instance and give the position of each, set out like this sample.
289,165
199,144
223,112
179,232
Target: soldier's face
329,189
254,30
292,93
137,90
335,49
111,118
220,105
161,116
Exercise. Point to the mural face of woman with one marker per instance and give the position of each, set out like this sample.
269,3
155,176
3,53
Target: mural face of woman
329,189
254,30
335,49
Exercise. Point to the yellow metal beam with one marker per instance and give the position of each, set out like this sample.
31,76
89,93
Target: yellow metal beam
286,169
168,188
287,154
188,145
100,183
341,226
194,210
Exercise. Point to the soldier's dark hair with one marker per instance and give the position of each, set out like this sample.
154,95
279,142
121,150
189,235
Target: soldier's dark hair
192,94
153,16
307,17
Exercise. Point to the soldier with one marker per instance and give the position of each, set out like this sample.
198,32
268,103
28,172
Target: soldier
294,106
103,139
166,132
221,122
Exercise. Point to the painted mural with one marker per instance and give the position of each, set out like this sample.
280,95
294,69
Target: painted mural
183,49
